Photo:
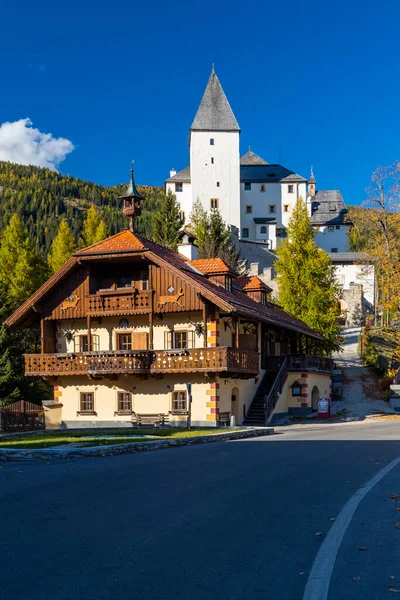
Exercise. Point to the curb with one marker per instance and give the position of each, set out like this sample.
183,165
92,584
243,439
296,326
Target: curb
128,448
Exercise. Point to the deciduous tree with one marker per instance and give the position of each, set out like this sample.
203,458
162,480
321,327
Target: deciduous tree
94,229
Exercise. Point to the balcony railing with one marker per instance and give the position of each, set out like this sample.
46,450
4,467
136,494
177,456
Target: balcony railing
198,360
309,362
119,302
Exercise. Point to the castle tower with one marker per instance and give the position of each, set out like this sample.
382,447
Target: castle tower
131,200
311,185
214,154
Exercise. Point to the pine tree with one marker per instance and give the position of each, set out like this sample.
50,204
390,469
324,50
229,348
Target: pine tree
167,222
94,229
21,270
213,237
306,279
62,248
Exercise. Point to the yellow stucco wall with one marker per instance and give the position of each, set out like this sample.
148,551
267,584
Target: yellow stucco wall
53,416
307,381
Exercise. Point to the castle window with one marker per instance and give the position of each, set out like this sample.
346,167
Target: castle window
247,186
262,187
86,402
334,249
272,208
182,216
124,341
263,229
290,189
179,187
337,226
286,208
211,141
245,232
212,160
217,183
249,209
124,405
213,202
179,401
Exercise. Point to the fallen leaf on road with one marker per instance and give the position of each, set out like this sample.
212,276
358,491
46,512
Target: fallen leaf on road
357,578
392,589
398,508
395,496
379,544
398,525
332,519
318,533
348,481
392,577
302,573
362,548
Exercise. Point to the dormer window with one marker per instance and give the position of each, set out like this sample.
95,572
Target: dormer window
228,283
264,298
291,189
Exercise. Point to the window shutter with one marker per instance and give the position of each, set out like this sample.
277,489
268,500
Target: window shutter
77,344
95,343
168,340
190,339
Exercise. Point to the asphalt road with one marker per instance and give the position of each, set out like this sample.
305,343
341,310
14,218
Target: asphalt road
230,520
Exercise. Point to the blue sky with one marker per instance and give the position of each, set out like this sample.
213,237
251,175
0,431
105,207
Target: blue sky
309,82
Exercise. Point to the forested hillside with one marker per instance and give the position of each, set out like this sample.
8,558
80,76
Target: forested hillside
40,197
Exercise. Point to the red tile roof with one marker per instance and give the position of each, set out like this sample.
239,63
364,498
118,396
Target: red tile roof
125,241
210,266
251,283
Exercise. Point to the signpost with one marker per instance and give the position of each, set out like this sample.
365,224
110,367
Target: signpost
324,408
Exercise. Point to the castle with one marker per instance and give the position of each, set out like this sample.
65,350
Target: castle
256,199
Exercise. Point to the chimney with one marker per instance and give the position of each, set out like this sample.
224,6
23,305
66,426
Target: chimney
172,172
254,268
186,248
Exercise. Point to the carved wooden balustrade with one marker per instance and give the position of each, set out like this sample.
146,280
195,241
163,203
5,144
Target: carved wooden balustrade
309,362
198,360
119,302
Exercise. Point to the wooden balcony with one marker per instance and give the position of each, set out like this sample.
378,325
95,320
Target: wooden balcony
199,360
309,362
125,301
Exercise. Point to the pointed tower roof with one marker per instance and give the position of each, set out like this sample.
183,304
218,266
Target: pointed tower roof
312,178
214,112
132,191
250,158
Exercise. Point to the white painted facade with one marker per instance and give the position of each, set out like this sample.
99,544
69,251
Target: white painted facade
215,172
333,238
348,273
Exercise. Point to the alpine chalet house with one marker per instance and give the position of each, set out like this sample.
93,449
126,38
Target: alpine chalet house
133,333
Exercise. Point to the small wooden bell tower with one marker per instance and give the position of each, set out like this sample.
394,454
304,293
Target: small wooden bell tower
131,202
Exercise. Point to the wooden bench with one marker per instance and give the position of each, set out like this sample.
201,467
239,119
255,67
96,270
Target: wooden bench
224,418
149,419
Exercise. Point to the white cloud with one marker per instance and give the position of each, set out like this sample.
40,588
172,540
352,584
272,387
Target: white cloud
21,143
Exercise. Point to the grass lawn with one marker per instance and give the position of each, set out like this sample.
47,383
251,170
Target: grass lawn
92,437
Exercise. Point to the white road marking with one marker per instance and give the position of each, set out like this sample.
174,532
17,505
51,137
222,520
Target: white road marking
318,582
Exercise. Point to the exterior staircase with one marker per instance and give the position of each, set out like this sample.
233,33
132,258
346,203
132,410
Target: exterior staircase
266,396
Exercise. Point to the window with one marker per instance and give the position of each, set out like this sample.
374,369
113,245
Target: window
217,183
81,343
249,209
178,187
124,341
286,208
272,208
213,202
263,229
179,401
211,141
144,279
179,340
330,228
296,389
337,226
125,282
264,298
262,187
334,249
228,283
290,189
86,402
212,160
247,186
245,232
124,402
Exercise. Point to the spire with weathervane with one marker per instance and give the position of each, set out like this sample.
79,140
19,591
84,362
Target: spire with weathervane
131,202
311,184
